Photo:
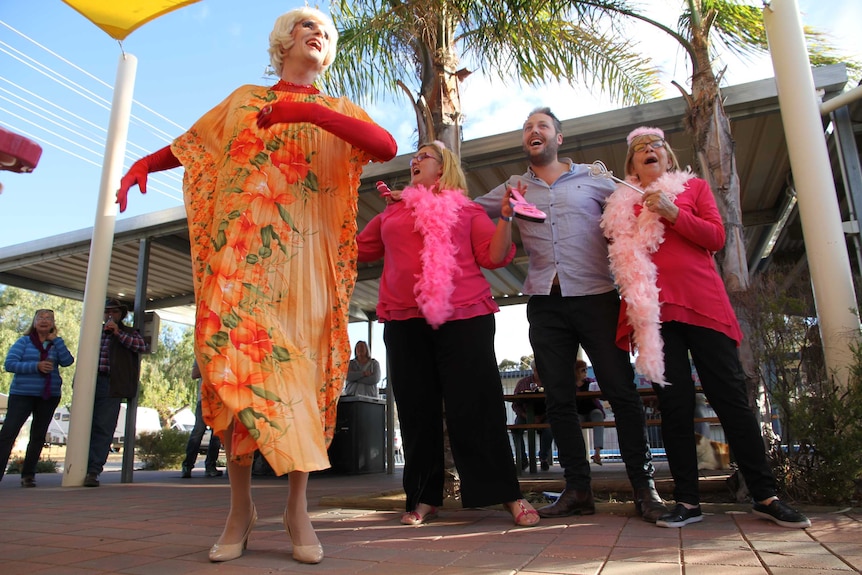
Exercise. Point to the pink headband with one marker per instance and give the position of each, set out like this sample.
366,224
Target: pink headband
439,144
643,131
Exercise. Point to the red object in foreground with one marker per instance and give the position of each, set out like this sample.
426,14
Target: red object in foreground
17,153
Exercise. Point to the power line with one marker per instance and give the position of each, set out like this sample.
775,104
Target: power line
73,129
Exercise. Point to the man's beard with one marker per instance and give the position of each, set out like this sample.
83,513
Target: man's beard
547,156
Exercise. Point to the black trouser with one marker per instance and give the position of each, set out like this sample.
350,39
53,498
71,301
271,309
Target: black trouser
18,410
558,325
196,437
454,365
716,359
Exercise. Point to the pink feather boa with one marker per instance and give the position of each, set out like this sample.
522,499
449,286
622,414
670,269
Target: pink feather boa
634,238
435,215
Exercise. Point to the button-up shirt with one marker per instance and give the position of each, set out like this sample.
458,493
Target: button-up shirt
130,340
569,244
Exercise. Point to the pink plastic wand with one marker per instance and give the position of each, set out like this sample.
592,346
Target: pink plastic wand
599,170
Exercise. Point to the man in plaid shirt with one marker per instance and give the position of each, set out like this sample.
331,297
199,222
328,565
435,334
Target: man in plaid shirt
119,371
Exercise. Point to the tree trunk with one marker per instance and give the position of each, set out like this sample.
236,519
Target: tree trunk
441,92
717,159
442,97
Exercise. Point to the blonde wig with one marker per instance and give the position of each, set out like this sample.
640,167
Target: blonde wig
453,177
280,39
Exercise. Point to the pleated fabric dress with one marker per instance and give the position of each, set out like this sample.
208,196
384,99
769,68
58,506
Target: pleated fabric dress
272,221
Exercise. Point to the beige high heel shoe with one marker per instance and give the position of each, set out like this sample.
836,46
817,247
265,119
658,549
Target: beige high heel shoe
231,551
304,553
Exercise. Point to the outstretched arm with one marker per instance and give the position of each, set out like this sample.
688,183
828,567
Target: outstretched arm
366,136
501,241
164,159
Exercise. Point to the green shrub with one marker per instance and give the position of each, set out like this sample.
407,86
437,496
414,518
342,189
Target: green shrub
815,455
819,461
164,449
42,466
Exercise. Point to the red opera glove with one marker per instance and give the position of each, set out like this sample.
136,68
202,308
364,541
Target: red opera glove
384,190
366,136
391,196
286,113
164,159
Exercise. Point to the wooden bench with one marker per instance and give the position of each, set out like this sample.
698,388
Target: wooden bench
531,428
591,424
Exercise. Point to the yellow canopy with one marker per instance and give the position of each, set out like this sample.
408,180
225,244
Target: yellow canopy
119,19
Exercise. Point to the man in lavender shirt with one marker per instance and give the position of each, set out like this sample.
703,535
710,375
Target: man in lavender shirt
573,302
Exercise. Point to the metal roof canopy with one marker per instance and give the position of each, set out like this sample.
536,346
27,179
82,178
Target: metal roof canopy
58,264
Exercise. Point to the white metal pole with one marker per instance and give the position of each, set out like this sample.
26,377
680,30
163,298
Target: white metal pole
844,99
825,245
87,362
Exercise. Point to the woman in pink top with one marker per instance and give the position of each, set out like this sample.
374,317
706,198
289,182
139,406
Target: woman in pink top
674,304
439,332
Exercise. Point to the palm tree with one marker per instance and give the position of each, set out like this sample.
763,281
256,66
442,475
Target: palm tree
389,43
705,27
417,46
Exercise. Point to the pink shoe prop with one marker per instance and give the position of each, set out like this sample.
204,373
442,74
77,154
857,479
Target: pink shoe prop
524,209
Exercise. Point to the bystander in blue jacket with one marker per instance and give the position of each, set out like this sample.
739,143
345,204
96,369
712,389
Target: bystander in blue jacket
36,389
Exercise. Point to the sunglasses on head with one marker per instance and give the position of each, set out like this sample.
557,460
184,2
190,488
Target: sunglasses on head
654,144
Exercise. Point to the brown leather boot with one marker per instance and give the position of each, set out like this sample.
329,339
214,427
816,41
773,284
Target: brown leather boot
649,504
570,502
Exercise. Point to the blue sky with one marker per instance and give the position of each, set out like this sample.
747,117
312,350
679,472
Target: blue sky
56,69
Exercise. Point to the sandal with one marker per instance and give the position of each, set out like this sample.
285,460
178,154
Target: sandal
527,516
524,209
415,518
597,459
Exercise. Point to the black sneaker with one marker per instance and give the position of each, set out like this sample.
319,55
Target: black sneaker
782,514
680,516
187,472
214,473
91,480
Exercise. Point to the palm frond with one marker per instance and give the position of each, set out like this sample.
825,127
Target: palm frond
540,42
375,52
736,26
822,52
547,54
530,41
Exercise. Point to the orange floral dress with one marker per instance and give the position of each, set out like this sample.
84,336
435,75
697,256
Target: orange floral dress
272,221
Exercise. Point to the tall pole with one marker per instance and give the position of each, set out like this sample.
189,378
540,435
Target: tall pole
95,289
825,246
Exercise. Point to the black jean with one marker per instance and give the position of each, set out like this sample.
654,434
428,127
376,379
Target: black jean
558,325
19,409
717,361
196,437
106,411
454,365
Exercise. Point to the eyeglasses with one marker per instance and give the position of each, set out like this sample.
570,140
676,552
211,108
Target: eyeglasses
654,144
423,156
